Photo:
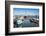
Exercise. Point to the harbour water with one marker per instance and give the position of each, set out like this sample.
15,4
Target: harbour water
28,23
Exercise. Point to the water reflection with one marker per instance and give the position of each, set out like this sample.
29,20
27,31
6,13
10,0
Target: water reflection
26,21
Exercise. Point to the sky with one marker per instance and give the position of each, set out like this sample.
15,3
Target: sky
25,11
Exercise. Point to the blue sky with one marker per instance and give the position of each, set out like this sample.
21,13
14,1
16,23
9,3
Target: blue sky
31,11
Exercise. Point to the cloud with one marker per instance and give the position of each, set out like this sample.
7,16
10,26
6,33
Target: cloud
29,13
